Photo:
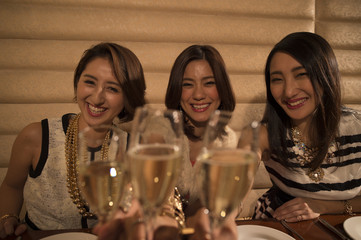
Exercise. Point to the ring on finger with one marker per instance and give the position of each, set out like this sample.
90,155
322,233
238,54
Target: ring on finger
299,218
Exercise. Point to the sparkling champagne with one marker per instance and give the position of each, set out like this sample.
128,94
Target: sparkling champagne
102,184
227,176
154,170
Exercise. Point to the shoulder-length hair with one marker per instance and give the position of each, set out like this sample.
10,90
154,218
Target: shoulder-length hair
215,61
126,68
316,55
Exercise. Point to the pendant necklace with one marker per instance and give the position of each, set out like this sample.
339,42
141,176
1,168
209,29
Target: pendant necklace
305,155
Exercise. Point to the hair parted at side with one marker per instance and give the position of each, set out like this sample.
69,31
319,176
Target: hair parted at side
316,55
127,70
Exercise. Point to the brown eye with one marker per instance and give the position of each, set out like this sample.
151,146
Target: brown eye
90,82
187,84
275,80
302,74
112,89
210,83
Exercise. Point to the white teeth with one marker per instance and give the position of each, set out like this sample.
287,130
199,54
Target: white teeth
95,109
200,106
296,103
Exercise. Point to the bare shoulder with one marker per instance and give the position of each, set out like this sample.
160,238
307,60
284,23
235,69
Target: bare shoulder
27,145
24,154
31,134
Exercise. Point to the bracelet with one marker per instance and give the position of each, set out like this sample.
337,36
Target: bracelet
178,209
9,215
174,209
348,207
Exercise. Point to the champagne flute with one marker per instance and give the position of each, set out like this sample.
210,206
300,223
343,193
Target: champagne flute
155,152
102,169
226,172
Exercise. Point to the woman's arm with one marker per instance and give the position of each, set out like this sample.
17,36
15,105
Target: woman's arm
299,209
25,153
335,206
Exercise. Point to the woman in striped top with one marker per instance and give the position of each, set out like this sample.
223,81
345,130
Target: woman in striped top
311,144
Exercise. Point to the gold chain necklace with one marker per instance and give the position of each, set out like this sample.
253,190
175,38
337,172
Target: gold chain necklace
71,156
305,155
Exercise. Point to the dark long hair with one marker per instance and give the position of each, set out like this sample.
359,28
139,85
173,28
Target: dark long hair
215,60
126,68
316,55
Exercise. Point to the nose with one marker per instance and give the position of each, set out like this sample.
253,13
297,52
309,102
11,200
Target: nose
290,87
99,95
199,93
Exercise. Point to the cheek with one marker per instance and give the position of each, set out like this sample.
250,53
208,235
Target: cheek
82,91
312,92
79,94
118,101
276,92
213,93
186,94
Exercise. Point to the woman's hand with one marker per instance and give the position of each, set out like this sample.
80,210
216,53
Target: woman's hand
200,222
131,226
120,225
297,209
11,226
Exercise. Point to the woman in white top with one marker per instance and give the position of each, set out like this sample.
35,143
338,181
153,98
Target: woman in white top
108,84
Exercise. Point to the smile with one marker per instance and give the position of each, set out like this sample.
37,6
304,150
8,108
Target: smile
95,110
200,107
293,104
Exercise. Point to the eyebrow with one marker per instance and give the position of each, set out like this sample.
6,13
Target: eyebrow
90,76
293,70
109,82
204,78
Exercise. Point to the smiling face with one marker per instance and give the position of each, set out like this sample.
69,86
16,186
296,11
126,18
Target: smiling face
199,92
292,89
99,94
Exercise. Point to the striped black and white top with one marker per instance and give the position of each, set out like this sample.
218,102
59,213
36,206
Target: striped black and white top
342,173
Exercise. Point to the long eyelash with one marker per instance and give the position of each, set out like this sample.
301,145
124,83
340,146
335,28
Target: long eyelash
303,74
275,79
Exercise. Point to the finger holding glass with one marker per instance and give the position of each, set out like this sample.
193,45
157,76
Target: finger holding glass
102,168
154,153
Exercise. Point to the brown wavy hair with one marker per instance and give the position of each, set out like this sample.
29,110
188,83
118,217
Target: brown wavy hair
127,69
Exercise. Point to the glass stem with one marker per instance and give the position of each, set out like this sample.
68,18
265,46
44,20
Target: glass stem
149,220
212,224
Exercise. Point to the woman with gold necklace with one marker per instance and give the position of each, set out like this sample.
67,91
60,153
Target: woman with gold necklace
108,84
311,144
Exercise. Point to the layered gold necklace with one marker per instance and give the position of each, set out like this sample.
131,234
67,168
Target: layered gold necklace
71,156
305,155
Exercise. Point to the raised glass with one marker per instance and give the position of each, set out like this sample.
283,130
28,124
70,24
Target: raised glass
227,169
155,153
102,168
